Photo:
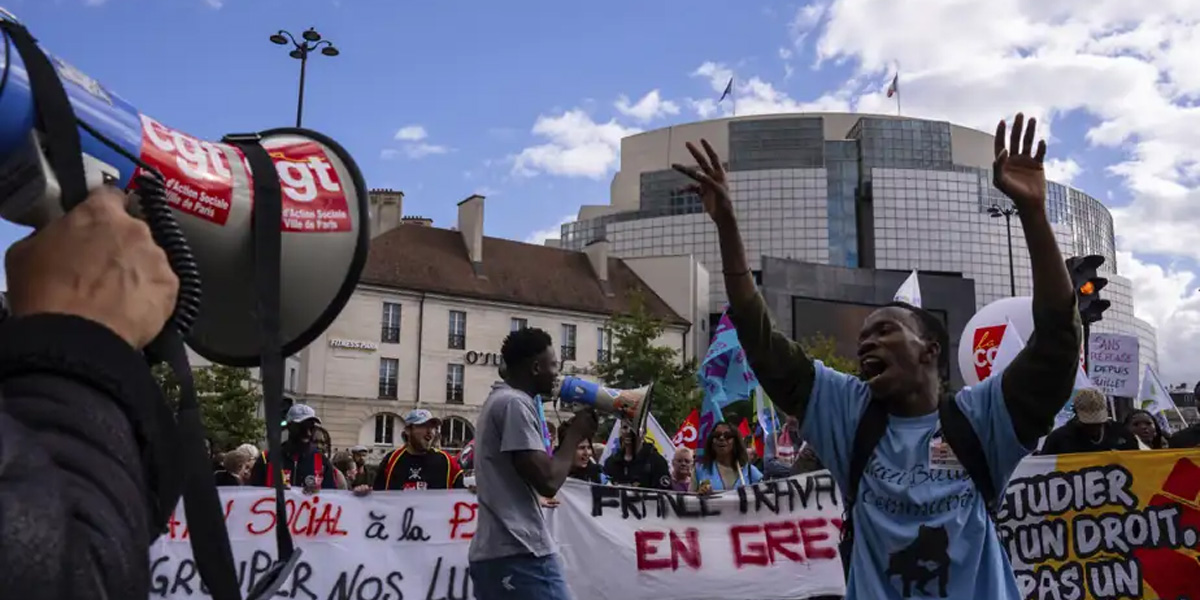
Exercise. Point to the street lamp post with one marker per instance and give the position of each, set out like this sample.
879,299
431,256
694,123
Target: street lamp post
1007,212
310,42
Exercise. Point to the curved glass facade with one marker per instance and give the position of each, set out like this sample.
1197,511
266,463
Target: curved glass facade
887,195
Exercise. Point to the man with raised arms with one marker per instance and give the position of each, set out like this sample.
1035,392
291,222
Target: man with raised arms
918,533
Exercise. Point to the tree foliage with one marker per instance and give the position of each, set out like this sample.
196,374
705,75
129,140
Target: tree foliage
635,360
228,400
824,348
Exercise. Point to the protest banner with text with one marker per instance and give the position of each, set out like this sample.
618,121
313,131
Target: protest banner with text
1105,525
1101,526
773,540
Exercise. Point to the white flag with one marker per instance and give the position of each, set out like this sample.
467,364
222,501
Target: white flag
1011,344
1155,400
910,291
654,435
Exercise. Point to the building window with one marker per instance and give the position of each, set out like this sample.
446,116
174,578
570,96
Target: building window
456,433
568,342
458,330
385,429
390,327
454,384
519,324
291,380
603,344
389,372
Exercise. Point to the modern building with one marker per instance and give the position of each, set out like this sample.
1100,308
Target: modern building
848,190
425,326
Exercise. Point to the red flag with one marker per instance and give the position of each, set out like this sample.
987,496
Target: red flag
688,435
744,429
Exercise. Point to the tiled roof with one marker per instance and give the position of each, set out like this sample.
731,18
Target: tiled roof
430,259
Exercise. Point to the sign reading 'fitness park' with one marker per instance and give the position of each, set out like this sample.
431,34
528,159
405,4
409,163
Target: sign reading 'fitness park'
1102,526
353,345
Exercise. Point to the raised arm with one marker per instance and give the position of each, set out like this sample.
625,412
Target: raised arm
782,368
1039,381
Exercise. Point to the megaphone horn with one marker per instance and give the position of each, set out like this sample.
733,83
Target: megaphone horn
631,406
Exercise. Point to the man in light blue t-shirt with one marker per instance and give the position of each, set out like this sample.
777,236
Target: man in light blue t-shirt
921,528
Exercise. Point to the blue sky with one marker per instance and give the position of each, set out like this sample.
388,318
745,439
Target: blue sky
474,77
519,100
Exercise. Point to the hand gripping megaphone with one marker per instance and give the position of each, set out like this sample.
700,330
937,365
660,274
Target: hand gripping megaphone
278,210
631,406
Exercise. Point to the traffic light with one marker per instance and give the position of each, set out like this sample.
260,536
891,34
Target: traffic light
285,406
1087,285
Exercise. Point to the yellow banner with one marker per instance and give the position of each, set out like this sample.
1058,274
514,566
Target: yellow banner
1105,525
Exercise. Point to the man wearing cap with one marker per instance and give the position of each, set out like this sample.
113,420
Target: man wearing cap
303,463
366,473
418,464
1090,430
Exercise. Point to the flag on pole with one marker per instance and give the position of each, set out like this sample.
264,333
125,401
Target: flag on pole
768,423
725,376
688,435
894,87
728,90
655,436
910,291
1011,344
1154,399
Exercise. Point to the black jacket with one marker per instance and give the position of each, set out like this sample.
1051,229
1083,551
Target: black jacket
1072,438
648,469
83,461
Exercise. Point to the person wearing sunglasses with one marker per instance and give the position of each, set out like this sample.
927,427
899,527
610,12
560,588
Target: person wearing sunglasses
725,464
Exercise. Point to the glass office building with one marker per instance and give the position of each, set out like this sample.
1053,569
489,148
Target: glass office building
867,191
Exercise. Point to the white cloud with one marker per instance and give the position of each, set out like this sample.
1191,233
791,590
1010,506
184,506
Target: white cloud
1062,170
486,191
411,133
415,146
807,18
1169,300
1126,69
650,107
210,3
576,146
540,236
422,150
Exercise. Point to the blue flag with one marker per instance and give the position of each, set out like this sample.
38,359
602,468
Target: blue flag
725,376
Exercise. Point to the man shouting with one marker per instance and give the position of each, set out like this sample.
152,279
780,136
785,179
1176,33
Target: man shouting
919,523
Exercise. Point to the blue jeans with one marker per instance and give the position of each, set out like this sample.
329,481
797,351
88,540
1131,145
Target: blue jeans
521,577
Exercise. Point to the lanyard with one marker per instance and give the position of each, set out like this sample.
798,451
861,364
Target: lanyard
549,443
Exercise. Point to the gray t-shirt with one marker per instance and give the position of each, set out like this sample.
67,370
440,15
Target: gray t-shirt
510,513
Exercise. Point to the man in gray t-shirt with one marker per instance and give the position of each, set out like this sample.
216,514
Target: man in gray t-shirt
512,554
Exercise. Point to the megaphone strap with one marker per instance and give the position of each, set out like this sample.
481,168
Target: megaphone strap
55,116
267,218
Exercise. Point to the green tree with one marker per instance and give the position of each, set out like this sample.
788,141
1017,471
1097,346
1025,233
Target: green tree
636,360
824,348
228,400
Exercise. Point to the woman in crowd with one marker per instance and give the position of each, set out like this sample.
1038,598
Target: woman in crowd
1143,426
725,465
584,468
236,468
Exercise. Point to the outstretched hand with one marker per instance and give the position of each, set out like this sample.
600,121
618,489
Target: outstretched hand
1018,169
710,184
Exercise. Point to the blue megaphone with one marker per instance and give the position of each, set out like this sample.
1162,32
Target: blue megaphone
631,406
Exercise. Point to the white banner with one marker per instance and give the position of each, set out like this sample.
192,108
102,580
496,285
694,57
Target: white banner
1113,363
774,540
